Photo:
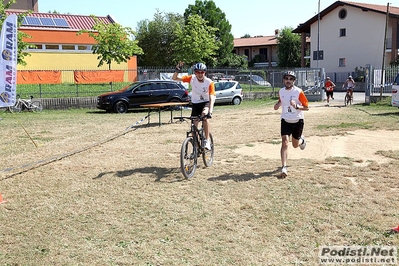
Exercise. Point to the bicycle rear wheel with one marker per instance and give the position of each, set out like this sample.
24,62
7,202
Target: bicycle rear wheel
36,106
207,155
188,158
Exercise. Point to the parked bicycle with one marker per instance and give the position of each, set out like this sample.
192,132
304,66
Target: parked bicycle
28,105
193,147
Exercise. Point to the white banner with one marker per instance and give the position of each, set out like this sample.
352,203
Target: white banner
8,63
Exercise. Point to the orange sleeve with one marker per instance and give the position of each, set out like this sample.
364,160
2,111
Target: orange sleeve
303,99
186,78
212,89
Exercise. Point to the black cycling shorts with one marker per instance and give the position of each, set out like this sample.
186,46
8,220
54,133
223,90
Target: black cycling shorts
294,129
196,108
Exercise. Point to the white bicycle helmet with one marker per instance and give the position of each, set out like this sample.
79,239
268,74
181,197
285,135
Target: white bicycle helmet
199,67
289,73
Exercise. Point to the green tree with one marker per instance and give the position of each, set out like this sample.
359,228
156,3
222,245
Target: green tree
156,38
195,42
22,46
113,42
238,61
289,48
215,18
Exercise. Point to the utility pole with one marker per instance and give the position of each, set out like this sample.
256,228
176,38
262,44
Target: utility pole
318,34
384,53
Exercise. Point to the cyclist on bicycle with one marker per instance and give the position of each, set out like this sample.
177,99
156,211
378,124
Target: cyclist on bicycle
202,97
350,85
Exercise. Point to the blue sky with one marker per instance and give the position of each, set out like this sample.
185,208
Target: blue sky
257,17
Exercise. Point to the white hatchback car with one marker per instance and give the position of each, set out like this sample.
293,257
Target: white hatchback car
395,92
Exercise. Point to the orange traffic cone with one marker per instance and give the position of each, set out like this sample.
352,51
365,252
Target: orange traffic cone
396,229
1,199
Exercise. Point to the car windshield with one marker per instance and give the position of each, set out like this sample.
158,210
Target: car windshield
257,78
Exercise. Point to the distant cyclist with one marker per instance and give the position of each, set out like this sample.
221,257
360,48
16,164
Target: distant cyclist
350,85
329,85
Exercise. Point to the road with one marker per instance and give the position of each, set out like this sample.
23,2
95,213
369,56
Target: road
358,97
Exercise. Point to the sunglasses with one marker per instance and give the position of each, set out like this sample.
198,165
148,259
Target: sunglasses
199,72
287,78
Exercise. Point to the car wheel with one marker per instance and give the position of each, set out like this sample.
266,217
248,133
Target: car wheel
236,101
175,108
120,107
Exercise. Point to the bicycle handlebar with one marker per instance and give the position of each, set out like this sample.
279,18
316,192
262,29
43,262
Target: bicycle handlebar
192,118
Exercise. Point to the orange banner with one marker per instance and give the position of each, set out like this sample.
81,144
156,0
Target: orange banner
38,77
100,76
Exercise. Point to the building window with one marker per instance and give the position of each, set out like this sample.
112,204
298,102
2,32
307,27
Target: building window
263,54
84,47
52,47
342,32
246,52
60,48
37,47
342,13
68,47
341,62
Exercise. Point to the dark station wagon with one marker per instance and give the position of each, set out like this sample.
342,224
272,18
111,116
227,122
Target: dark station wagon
142,92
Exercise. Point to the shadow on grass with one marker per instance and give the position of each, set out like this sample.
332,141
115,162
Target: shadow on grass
245,176
163,173
387,114
159,172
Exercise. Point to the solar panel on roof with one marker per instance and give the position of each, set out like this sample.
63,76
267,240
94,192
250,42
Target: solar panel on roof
32,21
47,22
61,22
24,22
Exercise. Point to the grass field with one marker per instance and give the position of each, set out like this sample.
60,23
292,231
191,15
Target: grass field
82,189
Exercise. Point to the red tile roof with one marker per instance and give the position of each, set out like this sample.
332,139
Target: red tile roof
255,41
378,8
75,22
382,9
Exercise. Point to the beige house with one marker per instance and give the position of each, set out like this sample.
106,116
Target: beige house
260,49
349,35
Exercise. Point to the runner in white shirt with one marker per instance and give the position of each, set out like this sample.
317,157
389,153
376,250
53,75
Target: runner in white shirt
293,102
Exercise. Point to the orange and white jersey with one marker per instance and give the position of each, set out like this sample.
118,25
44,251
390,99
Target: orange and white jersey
200,90
329,86
289,113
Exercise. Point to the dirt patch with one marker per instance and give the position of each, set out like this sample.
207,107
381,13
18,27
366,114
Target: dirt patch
360,145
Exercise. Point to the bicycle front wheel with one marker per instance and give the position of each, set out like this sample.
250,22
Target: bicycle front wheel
207,155
347,99
16,108
188,158
36,106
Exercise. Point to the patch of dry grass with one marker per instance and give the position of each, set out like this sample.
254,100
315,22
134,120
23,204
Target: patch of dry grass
93,193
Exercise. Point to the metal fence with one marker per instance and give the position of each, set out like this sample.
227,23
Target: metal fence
310,80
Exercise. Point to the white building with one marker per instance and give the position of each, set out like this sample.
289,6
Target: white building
350,35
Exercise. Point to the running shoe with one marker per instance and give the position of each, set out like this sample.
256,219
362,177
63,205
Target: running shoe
284,172
303,145
207,145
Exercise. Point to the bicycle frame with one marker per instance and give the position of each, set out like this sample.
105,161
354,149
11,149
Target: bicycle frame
197,134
